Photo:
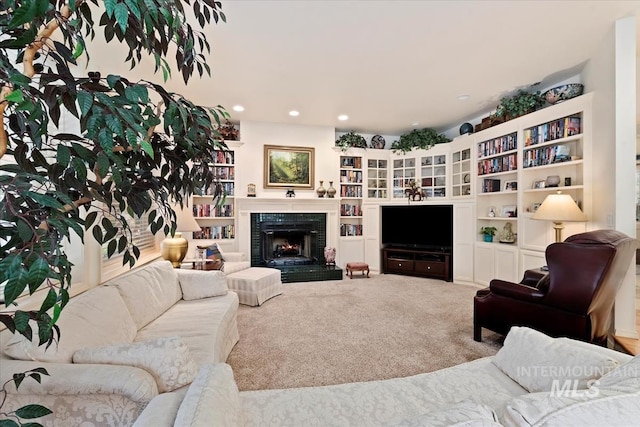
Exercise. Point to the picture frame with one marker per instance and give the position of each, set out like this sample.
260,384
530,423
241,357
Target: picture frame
510,185
509,211
535,206
539,184
289,167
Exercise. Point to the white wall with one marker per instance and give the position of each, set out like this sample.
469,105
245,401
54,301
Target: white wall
255,135
611,75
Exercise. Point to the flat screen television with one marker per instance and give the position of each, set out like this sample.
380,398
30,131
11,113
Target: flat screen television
418,226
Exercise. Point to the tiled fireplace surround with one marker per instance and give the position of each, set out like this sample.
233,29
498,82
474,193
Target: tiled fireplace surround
323,213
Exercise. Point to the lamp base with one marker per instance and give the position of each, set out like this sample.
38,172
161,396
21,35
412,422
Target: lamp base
558,226
174,249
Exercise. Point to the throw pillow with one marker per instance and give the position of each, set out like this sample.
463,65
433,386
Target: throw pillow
538,362
213,399
212,252
167,359
197,284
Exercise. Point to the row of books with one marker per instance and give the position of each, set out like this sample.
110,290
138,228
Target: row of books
546,155
224,157
351,176
224,211
561,128
224,172
351,229
215,232
351,162
350,191
228,188
350,210
498,145
498,164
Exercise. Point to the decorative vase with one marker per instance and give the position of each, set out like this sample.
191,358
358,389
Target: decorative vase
321,190
488,238
331,192
329,255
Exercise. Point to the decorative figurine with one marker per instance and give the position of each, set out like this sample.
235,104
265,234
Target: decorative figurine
290,193
507,235
413,192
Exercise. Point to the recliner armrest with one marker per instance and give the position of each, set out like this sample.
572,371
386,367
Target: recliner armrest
532,277
515,291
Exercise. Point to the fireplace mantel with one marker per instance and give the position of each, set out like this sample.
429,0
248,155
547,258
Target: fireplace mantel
245,206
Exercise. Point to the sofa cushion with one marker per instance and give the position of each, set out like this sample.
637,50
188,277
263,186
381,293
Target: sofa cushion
167,359
591,407
538,362
207,325
212,399
149,291
465,413
197,284
82,324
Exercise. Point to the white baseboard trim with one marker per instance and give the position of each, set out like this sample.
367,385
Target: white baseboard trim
627,333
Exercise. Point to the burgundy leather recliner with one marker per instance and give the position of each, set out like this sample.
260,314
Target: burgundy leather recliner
574,299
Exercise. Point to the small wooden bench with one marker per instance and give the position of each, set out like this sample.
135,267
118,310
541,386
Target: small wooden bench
357,266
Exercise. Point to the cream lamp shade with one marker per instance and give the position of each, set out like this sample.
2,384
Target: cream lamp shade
559,208
175,248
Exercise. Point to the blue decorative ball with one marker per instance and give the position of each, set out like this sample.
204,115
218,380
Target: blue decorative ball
466,128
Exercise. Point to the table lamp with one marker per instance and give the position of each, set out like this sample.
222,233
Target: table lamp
559,208
175,248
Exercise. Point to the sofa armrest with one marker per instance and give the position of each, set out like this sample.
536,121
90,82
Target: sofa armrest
515,291
81,379
233,256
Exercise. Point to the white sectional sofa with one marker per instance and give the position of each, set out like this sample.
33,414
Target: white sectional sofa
534,380
125,343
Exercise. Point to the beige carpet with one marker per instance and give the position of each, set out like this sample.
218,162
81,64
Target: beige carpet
340,331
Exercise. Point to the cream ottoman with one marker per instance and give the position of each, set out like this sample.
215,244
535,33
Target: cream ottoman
255,285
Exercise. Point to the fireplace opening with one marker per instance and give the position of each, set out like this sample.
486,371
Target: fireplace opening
284,244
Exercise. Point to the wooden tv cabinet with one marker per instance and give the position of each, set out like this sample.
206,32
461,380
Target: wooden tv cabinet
417,262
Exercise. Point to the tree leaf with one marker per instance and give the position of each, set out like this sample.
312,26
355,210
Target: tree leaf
122,15
15,96
38,271
85,100
32,411
63,155
109,5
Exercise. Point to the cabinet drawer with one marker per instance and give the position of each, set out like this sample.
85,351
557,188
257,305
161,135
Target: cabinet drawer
429,267
400,264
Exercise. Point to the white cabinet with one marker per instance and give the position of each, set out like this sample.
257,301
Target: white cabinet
463,241
495,261
372,236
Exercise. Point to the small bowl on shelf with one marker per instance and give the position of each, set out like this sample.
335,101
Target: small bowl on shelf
564,92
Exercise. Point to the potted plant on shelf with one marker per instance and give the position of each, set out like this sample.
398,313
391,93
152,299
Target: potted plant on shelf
351,139
519,104
418,138
488,233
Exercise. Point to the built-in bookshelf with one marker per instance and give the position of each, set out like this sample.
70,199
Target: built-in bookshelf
404,172
461,173
217,222
351,195
433,176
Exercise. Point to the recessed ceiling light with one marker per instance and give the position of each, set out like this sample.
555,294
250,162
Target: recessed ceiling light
463,97
238,108
415,123
343,117
294,113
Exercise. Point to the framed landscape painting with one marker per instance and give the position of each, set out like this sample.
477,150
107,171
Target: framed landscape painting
288,167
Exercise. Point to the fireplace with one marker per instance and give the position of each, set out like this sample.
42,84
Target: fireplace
288,243
293,243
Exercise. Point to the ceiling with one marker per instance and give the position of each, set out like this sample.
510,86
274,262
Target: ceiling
389,65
